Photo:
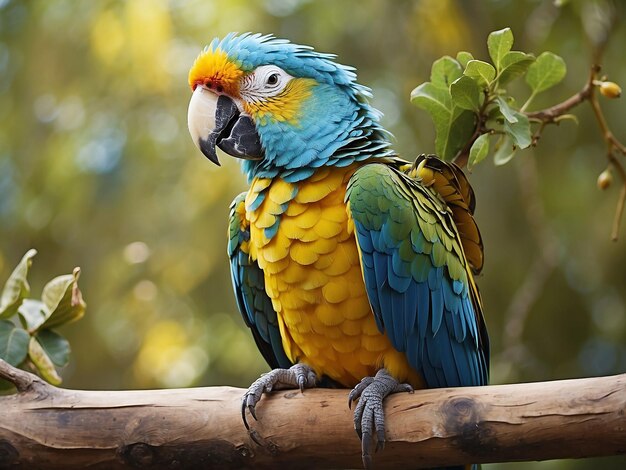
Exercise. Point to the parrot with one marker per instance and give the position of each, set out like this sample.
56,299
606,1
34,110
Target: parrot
351,266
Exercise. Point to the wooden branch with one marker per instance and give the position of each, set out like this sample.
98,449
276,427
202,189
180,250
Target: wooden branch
51,428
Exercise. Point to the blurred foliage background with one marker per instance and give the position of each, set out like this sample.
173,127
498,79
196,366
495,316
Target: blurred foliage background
97,170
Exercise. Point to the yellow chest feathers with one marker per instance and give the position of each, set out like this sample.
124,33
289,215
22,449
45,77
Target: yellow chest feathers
300,238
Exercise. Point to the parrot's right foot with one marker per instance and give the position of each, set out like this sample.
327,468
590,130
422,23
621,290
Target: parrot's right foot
369,416
297,376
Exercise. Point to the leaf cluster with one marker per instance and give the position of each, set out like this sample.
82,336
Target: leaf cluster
471,105
27,335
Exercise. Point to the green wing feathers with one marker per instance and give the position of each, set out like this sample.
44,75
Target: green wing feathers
449,181
418,278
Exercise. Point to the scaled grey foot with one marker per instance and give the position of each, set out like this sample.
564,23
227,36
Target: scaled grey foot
369,415
297,376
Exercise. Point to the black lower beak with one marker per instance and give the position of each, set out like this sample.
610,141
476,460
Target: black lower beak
243,141
234,133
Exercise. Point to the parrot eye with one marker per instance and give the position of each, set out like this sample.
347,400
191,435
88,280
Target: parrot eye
266,81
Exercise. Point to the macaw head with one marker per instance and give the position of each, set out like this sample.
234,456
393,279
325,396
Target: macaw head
283,108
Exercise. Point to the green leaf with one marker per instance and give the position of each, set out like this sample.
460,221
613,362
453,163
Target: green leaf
463,58
548,70
479,150
42,361
482,72
453,137
499,43
506,110
444,71
465,93
16,287
56,347
505,151
519,130
435,101
32,314
453,125
13,343
514,64
63,300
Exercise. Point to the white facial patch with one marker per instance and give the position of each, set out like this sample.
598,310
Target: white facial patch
266,81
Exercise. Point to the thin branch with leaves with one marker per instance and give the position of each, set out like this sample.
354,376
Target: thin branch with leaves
470,105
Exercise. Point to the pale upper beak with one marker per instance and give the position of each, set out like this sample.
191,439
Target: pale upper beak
215,120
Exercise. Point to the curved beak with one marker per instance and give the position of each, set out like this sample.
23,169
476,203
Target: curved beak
216,121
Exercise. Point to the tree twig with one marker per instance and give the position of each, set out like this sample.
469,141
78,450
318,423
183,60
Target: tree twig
613,145
544,116
549,115
619,210
24,381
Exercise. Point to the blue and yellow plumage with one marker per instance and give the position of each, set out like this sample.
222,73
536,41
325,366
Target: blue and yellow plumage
344,258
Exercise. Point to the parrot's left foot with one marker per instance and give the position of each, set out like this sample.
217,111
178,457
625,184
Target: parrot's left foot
369,415
297,376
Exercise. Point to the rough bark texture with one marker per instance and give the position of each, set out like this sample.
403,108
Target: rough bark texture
46,427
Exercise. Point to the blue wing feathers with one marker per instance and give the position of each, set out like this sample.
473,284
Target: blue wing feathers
253,302
435,275
437,304
405,246
423,306
448,362
410,309
399,322
469,320
376,241
399,275
461,357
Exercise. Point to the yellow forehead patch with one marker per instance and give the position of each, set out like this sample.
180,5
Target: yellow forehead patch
214,67
286,105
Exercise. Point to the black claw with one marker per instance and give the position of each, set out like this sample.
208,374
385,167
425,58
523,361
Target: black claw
365,450
243,414
358,429
253,412
380,445
367,441
255,437
349,403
